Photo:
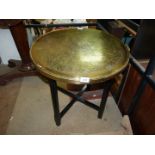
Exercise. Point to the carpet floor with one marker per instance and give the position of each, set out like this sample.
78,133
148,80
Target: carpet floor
8,96
32,114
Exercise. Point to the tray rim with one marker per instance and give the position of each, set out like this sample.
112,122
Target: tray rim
73,80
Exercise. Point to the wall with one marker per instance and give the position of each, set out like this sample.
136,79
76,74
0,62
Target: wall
8,48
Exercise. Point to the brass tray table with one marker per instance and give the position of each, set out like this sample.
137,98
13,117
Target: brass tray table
80,57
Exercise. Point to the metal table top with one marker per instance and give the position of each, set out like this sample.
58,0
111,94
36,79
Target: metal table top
79,56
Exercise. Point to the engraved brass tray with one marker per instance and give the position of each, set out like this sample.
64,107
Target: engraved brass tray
69,55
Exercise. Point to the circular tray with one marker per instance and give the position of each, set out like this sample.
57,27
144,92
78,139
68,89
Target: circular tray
79,56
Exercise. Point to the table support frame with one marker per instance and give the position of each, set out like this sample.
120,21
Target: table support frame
76,97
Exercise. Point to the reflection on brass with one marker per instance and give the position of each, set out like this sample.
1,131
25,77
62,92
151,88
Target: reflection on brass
67,55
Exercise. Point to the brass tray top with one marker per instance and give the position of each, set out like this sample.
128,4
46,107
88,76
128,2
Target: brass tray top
79,56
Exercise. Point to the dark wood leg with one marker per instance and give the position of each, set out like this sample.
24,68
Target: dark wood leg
19,34
24,67
54,93
106,91
15,73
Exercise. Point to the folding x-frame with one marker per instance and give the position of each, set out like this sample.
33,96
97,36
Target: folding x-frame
77,97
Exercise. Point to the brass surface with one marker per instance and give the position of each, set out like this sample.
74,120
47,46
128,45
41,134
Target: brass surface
67,55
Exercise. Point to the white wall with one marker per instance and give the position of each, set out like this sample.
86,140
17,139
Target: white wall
8,48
